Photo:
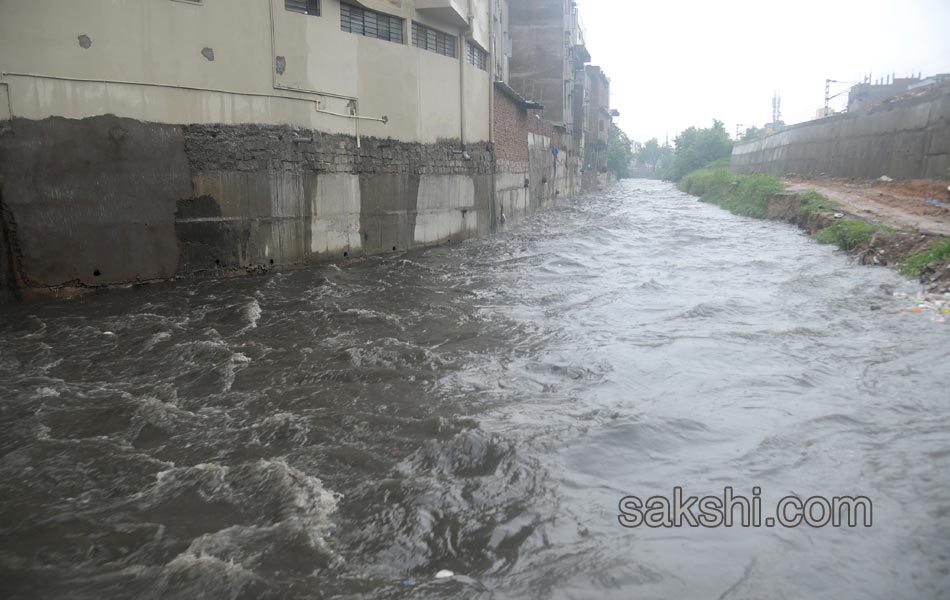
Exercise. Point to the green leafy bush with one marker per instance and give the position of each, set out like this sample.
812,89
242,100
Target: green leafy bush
698,147
740,194
939,251
815,202
848,234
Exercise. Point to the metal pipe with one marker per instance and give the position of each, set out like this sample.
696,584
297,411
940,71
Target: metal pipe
6,84
353,110
493,197
462,53
491,71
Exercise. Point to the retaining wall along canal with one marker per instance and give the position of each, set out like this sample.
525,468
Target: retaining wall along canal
112,201
907,139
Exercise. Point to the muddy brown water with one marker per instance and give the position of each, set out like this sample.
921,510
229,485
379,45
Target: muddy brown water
348,431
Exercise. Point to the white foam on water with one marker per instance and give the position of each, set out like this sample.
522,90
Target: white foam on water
252,312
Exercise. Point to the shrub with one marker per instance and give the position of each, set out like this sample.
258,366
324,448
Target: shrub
848,234
938,251
815,202
741,194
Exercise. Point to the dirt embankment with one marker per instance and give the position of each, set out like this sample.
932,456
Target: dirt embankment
913,225
916,205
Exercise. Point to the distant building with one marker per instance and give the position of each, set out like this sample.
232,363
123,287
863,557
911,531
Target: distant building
548,65
599,117
867,95
548,50
931,81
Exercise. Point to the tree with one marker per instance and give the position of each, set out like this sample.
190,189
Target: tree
651,153
750,134
696,148
619,152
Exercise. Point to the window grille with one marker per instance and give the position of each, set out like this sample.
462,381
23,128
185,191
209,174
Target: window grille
433,40
370,23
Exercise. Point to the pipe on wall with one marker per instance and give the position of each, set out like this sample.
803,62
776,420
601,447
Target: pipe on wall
6,86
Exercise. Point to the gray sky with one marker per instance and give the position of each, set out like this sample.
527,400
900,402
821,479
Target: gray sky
677,63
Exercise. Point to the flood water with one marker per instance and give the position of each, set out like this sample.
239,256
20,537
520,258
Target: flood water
348,431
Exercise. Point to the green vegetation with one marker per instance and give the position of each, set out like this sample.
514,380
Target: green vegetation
651,153
752,133
741,194
915,264
816,203
696,148
848,234
619,153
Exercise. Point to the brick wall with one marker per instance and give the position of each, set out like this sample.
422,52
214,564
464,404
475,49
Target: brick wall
511,129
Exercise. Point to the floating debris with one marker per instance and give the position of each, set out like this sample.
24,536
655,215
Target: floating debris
937,305
444,574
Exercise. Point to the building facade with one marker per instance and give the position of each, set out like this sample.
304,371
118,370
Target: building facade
144,140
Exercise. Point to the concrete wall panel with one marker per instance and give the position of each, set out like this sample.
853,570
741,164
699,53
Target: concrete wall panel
445,209
903,140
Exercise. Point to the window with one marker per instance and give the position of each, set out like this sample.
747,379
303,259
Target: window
370,23
432,40
304,7
477,57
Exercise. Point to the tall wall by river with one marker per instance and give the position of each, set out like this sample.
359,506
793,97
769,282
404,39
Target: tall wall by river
907,139
144,141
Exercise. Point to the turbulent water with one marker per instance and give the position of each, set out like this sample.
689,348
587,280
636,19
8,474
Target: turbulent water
350,430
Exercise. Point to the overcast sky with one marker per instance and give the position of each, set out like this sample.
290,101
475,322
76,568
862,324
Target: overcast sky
677,63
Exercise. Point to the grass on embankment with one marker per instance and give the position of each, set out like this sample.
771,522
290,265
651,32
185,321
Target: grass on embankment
816,203
938,252
849,234
745,195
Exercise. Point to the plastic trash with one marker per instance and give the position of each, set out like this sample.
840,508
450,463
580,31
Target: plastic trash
839,215
885,179
408,582
444,574
937,203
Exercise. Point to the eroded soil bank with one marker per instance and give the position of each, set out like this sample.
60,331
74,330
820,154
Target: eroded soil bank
920,204
889,245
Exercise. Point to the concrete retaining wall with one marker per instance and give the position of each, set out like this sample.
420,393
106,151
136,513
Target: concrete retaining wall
909,139
106,200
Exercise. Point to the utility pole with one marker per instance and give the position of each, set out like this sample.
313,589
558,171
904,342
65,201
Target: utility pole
738,127
829,97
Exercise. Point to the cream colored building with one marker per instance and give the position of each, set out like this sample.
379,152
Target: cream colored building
254,61
142,140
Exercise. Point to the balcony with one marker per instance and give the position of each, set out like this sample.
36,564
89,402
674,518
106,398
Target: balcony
453,12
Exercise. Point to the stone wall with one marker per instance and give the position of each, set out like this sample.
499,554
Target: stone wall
907,139
106,201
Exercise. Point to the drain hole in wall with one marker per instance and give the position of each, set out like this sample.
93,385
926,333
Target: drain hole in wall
272,261
96,273
346,254
394,248
217,262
